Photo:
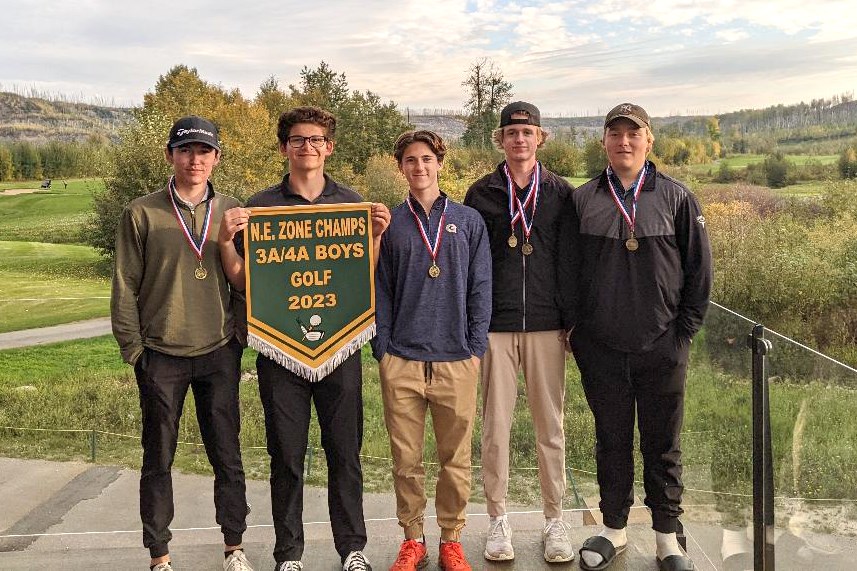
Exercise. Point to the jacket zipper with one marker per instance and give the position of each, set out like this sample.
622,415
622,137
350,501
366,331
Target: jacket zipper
193,222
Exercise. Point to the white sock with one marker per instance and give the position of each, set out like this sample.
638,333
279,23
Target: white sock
618,537
667,544
734,542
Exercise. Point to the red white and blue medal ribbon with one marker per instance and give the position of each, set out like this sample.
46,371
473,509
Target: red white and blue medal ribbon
433,246
196,246
517,209
630,218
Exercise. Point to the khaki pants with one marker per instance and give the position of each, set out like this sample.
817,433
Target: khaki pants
541,355
448,390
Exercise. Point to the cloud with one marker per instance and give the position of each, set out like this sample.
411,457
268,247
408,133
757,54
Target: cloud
565,55
823,19
732,35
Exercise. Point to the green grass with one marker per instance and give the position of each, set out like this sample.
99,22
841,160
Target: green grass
53,216
576,180
48,366
736,162
808,189
48,284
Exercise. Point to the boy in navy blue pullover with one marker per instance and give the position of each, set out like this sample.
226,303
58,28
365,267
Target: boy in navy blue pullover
433,307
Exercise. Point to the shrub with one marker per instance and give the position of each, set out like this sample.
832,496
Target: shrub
464,166
777,170
561,157
382,181
724,173
848,163
594,157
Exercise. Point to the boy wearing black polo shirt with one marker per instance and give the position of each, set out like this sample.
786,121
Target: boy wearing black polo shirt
306,139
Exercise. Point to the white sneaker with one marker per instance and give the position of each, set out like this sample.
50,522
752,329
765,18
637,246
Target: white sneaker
356,561
237,561
557,545
498,546
290,566
163,567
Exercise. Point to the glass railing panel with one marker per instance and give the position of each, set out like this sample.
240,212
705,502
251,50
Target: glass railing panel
717,444
813,401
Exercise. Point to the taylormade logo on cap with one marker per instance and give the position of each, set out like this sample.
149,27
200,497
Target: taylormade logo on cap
183,132
193,129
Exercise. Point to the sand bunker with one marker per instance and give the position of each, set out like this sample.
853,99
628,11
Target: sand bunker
14,191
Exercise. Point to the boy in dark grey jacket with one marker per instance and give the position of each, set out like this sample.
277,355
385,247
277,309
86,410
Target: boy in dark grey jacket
636,277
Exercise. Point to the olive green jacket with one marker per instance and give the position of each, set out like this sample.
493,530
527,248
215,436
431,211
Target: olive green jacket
157,301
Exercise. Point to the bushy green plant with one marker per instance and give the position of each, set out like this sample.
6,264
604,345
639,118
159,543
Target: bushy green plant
463,166
793,273
777,170
847,163
838,198
382,181
724,173
561,157
594,157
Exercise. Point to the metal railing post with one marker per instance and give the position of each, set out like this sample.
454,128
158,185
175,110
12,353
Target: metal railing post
93,445
763,468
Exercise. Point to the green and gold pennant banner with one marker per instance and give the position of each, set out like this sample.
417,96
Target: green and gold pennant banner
310,284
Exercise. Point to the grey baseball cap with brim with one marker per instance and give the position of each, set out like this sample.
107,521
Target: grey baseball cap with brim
528,109
193,129
628,111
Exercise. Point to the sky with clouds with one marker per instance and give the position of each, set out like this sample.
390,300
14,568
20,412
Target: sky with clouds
574,57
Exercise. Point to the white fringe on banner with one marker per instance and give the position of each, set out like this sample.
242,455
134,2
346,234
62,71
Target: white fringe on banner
301,369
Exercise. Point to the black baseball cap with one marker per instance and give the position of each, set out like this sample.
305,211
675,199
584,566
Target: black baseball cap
193,129
532,112
629,111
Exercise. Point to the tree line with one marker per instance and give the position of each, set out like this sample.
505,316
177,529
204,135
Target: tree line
22,160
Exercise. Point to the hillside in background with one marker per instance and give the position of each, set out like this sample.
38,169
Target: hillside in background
822,123
40,120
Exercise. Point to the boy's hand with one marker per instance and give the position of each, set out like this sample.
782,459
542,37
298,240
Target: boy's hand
234,220
380,219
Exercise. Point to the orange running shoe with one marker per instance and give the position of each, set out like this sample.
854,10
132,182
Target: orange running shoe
452,557
412,556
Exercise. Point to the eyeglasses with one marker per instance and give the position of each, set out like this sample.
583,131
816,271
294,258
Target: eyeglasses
316,141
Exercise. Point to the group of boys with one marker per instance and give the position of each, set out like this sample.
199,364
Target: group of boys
618,271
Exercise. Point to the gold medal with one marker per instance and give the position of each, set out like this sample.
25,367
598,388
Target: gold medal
433,271
200,273
527,249
632,244
512,241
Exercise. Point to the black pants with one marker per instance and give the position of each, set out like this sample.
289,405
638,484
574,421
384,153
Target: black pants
163,381
338,400
653,383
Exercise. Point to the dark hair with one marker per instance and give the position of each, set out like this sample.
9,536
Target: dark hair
305,114
430,138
